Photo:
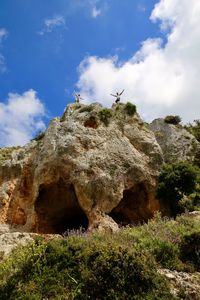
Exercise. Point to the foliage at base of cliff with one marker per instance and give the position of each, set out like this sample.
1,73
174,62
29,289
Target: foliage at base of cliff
103,266
179,187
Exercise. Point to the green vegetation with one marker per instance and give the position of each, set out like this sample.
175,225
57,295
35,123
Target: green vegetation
105,114
175,120
77,106
103,266
113,169
6,153
130,108
197,158
190,249
176,182
194,129
86,108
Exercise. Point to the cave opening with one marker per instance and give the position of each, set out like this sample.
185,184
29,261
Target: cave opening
91,122
58,210
133,208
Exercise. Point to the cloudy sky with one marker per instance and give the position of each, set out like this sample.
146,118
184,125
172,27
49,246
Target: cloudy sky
51,48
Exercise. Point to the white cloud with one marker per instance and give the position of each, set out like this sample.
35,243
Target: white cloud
3,35
160,79
95,12
2,64
97,7
52,23
141,7
20,118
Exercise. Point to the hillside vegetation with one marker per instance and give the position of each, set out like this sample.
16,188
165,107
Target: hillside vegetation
104,266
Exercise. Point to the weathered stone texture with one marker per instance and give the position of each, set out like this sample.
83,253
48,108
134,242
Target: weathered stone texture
175,141
83,172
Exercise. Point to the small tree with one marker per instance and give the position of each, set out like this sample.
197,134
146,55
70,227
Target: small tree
175,181
175,120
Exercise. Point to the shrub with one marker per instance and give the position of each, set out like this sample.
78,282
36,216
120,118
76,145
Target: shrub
190,249
86,108
176,181
197,158
166,254
194,129
105,114
122,273
76,268
130,108
172,120
186,204
103,266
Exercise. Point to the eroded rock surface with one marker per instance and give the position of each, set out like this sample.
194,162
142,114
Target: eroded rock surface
175,141
183,285
92,169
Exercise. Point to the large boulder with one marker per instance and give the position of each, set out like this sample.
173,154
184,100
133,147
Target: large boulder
175,141
93,168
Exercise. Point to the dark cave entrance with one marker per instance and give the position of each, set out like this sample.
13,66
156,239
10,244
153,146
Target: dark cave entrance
58,210
133,208
91,122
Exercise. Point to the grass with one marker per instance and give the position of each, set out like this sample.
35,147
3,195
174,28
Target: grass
103,266
6,153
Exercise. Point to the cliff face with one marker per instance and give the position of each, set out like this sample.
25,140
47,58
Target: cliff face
94,168
176,142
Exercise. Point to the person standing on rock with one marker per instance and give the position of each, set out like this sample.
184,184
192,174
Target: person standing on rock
77,98
117,96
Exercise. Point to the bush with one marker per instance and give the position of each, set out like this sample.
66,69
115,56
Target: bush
186,204
130,108
194,129
123,273
105,114
86,108
98,267
176,181
197,158
166,254
190,249
172,120
103,266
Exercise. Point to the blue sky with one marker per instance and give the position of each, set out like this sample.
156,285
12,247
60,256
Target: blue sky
43,43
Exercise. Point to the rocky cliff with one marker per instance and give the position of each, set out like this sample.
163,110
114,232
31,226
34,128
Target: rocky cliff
94,168
176,142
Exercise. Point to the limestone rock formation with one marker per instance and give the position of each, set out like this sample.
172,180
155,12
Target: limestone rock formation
183,285
175,141
94,168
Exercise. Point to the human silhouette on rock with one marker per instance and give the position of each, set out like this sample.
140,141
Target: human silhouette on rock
117,96
77,98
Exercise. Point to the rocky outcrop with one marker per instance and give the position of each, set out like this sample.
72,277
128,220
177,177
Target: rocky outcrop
183,285
175,141
94,168
10,239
